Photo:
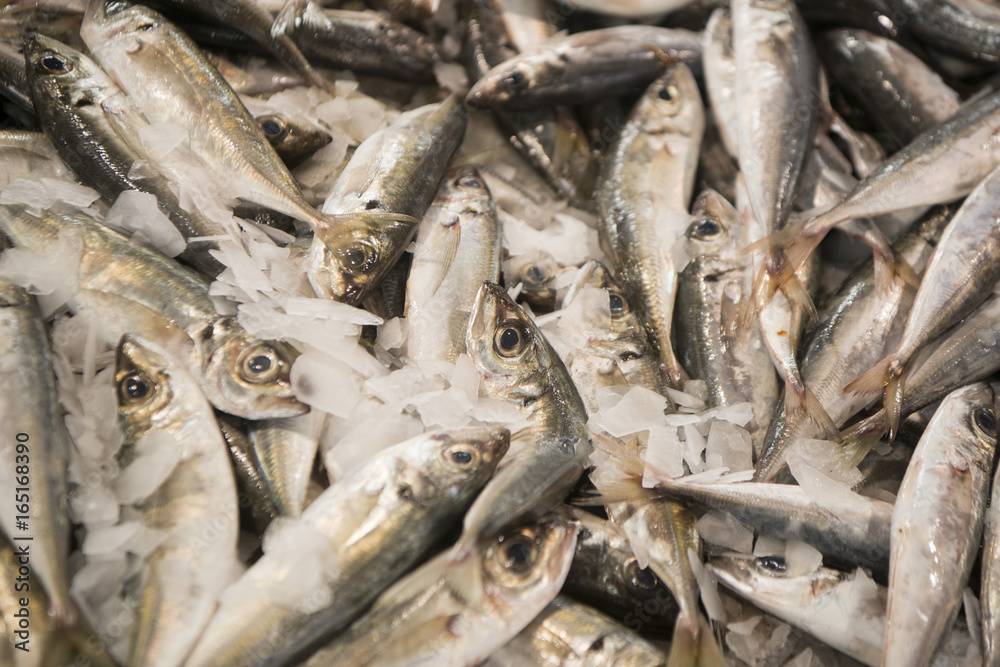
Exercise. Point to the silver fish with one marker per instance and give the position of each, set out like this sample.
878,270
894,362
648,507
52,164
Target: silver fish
160,405
457,249
937,524
359,535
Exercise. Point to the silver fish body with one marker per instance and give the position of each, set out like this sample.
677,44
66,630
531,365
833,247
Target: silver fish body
937,524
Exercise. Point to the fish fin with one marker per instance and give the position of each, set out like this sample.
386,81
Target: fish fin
890,268
621,491
857,441
872,381
626,455
799,400
327,224
761,294
799,250
798,297
453,239
894,403
694,645
776,241
465,577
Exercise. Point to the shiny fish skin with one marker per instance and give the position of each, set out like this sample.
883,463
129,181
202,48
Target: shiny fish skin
285,450
617,351
518,365
969,29
606,575
570,634
611,60
639,219
195,506
365,530
854,329
293,140
937,524
395,171
137,290
30,414
416,621
458,248
711,296
365,42
901,94
959,276
96,130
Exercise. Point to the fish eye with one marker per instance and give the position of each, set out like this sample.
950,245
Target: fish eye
462,455
134,389
704,229
469,181
514,79
359,257
510,339
145,26
771,564
535,274
259,363
517,554
668,92
617,303
985,421
56,64
274,128
640,577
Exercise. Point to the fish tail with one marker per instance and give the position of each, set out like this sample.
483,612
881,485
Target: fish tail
799,400
872,381
891,267
894,402
63,613
798,297
801,248
776,241
694,645
858,440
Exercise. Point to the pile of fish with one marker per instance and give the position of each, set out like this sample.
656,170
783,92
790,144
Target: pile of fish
461,332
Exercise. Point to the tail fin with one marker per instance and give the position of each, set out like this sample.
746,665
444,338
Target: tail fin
890,267
694,645
872,381
858,440
799,400
799,299
894,403
799,250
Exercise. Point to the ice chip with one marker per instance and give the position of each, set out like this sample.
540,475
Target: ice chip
325,383
138,213
801,559
722,529
728,446
160,139
663,455
158,453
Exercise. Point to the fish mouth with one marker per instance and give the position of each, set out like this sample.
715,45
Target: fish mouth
476,330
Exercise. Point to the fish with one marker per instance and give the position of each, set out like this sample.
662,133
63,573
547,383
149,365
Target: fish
518,364
937,524
457,248
639,220
959,276
194,507
606,575
170,80
359,535
138,290
36,448
395,171
855,327
293,140
902,95
970,30
845,610
254,496
612,61
965,353
609,344
711,297
719,63
962,146
97,132
285,450
568,633
365,42
777,79
251,19
417,621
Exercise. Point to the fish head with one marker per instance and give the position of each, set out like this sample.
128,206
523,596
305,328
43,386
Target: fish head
108,22
59,73
672,104
466,187
457,463
768,578
529,562
507,81
970,417
292,140
13,295
716,227
142,384
248,377
618,333
351,257
506,346
535,272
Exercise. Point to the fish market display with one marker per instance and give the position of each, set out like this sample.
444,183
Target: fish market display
499,332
